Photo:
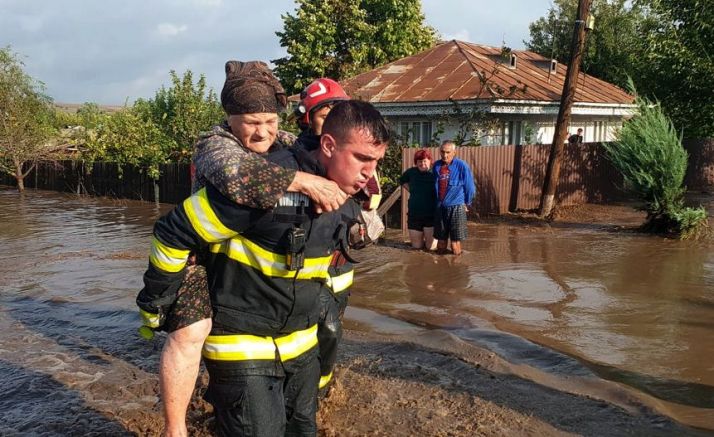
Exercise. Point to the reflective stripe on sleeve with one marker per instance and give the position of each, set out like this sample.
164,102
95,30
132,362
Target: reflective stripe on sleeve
149,319
342,282
324,380
167,258
271,264
204,219
251,347
374,201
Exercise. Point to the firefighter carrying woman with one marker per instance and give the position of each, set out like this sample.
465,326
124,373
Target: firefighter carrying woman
255,344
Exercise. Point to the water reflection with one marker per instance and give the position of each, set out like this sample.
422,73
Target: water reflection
633,308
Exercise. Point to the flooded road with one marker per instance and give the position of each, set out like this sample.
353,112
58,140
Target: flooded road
571,300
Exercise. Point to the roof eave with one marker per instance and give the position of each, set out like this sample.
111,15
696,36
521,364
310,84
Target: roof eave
505,107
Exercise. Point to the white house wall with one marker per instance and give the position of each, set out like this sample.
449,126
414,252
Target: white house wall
598,121
594,129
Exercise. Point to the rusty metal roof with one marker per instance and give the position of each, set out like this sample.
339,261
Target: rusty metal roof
457,70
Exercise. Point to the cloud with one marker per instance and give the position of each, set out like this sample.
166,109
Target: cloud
86,50
208,3
169,29
31,24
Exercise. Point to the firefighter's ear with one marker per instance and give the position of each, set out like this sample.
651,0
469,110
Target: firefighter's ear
327,144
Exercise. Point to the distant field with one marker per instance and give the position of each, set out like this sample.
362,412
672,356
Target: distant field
72,107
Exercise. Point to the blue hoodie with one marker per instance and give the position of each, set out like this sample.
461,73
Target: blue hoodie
461,189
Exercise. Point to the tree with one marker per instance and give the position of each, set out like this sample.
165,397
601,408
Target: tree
649,154
126,137
399,30
153,131
181,112
677,65
664,45
613,46
341,38
26,118
567,98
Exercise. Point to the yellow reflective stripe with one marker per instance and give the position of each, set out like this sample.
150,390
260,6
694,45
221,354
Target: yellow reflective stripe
149,319
253,347
374,201
167,258
342,282
295,344
324,380
238,348
204,220
269,263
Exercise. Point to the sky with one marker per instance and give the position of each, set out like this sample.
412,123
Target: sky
112,52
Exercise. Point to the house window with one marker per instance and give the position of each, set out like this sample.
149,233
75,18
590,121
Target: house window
497,134
416,132
513,133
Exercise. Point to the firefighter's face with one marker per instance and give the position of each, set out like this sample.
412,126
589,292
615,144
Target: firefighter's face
317,119
257,131
352,160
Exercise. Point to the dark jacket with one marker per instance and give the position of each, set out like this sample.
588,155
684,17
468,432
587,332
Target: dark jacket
252,291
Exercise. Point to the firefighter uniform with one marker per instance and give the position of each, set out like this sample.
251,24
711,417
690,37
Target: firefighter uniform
333,301
265,271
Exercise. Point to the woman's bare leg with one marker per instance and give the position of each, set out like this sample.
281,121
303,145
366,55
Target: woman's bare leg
178,370
417,238
429,241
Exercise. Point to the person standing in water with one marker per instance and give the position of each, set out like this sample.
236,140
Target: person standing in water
419,182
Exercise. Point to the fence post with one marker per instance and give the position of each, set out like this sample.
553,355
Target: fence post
78,171
156,191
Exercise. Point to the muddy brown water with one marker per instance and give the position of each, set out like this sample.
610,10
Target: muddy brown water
571,301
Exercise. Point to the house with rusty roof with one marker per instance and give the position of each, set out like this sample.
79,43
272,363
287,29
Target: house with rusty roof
486,95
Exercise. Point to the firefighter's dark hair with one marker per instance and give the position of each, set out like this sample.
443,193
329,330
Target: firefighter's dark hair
350,114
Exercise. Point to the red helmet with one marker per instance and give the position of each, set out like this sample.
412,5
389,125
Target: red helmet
319,93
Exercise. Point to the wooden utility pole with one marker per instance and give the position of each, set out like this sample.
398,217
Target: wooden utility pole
552,174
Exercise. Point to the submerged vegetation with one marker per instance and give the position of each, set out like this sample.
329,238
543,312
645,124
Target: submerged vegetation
649,154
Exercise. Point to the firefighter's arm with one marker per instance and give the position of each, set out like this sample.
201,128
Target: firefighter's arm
351,232
207,217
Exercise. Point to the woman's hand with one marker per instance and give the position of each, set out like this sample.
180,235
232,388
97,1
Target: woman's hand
325,193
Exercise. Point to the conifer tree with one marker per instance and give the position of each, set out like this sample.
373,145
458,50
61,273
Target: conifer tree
649,154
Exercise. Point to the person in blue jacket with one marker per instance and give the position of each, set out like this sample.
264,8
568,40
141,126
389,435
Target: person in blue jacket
455,190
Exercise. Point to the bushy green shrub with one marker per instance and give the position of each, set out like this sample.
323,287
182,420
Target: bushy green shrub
649,154
125,137
181,112
152,131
